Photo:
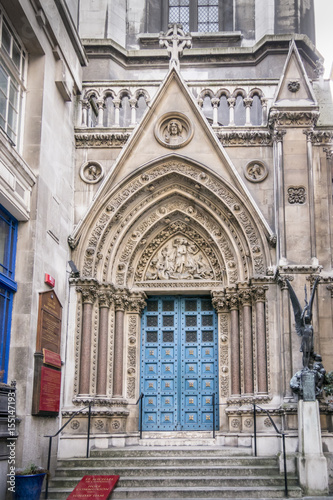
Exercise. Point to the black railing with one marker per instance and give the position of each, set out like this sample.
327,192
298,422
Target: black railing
56,434
282,434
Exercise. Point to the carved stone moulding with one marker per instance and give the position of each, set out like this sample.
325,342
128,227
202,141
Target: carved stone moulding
91,172
95,139
256,171
300,118
244,137
173,130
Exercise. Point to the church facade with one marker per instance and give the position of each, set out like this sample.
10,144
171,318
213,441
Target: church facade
179,156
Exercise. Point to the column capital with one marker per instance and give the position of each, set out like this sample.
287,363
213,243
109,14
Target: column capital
104,298
120,300
100,103
281,280
244,294
88,292
248,102
137,302
133,101
329,153
259,293
231,101
220,302
277,135
116,103
215,101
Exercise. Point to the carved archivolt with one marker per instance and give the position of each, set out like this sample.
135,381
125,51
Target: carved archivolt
171,222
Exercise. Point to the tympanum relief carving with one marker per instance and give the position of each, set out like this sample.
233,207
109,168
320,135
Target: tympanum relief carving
179,259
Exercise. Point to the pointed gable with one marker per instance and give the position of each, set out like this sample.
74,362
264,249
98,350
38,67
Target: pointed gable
294,88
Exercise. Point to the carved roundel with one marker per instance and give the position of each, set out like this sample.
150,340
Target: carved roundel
91,172
255,171
173,130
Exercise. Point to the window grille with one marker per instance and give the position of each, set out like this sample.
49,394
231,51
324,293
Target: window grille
179,12
208,16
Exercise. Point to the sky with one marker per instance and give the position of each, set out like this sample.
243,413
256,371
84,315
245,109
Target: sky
324,32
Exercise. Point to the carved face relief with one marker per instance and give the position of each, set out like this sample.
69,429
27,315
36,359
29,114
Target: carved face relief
91,172
255,171
173,130
179,259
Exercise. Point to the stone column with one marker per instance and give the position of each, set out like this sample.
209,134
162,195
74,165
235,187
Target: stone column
309,139
120,301
79,115
248,103
286,337
234,344
136,304
231,102
264,110
259,293
279,200
85,109
133,111
215,103
116,103
88,298
329,160
101,105
104,298
245,298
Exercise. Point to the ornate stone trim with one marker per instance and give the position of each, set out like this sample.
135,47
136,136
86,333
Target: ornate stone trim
294,86
296,195
292,118
101,140
256,171
319,137
173,130
244,137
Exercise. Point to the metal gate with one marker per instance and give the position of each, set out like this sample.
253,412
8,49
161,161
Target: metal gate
179,368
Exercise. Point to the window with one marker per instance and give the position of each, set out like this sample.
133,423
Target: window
8,237
203,16
12,68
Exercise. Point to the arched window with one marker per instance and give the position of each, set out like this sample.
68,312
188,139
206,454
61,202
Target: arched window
256,111
223,111
108,118
207,109
141,107
240,114
125,112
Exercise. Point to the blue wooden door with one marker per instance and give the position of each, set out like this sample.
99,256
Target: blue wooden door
179,369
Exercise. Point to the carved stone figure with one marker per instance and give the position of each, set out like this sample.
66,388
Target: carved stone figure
303,318
173,133
183,261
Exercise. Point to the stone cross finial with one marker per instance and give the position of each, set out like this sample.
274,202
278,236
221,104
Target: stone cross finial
175,41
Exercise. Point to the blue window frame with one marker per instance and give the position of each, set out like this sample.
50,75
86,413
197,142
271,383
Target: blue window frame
8,286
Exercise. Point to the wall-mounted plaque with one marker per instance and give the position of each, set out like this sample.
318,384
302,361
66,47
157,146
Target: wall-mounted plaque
49,322
49,397
93,487
47,372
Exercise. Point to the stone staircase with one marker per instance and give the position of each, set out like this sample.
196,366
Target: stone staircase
178,472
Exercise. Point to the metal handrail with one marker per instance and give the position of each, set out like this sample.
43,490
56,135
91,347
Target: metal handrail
282,434
56,434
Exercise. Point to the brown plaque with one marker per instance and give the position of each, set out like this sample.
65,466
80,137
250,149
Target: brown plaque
51,358
94,488
49,322
49,399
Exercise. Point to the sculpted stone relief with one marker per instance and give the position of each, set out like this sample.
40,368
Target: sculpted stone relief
178,260
122,209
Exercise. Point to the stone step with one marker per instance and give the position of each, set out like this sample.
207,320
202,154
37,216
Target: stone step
190,470
148,461
156,451
185,481
257,492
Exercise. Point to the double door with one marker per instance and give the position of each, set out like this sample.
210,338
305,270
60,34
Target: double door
179,369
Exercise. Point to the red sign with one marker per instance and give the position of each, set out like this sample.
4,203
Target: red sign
94,488
49,280
51,358
49,399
